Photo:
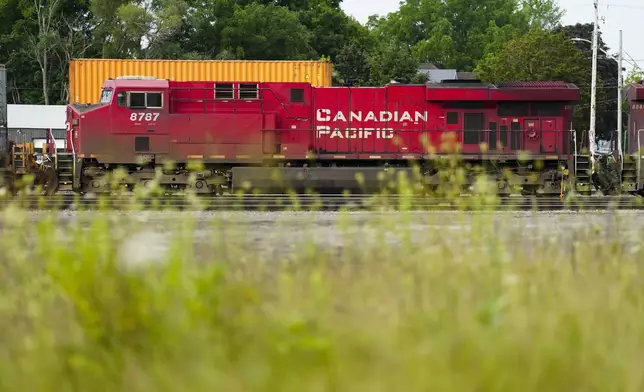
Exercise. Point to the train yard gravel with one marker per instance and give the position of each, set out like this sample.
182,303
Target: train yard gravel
235,236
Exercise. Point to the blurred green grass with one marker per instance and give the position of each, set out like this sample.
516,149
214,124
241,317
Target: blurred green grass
92,305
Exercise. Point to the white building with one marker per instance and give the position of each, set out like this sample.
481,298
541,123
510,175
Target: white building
29,123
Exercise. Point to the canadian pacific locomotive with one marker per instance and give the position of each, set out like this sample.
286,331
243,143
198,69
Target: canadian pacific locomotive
632,175
321,138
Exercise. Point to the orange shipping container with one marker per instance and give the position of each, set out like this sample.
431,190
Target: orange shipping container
86,76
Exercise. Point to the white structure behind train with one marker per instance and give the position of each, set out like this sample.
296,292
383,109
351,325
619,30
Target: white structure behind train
29,123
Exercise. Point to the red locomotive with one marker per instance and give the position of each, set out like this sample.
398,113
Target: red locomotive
632,174
318,138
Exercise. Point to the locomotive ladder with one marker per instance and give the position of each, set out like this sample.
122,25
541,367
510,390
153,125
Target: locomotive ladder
629,174
64,162
583,169
582,173
65,168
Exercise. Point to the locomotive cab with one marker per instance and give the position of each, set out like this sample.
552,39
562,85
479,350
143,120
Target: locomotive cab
82,116
129,124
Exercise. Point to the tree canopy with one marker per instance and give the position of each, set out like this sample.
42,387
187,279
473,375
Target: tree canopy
541,55
499,39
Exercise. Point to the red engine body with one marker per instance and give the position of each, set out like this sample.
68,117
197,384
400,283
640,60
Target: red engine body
146,122
635,136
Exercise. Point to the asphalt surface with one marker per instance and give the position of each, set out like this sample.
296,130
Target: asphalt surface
238,236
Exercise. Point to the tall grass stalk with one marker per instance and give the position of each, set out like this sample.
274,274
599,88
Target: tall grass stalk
385,301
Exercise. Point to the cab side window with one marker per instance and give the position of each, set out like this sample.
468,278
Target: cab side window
141,100
137,100
121,99
153,100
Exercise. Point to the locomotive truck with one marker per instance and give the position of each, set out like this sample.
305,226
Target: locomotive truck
325,139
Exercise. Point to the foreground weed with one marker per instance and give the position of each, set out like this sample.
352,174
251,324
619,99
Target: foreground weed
168,301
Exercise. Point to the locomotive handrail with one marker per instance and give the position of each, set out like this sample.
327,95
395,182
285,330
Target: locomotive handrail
284,106
50,139
639,153
73,150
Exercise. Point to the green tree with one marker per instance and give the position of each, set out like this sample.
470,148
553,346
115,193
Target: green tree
542,14
119,27
634,76
202,35
607,68
36,38
539,56
392,60
331,30
458,33
267,32
352,64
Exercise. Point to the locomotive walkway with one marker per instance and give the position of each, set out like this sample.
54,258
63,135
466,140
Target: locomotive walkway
323,202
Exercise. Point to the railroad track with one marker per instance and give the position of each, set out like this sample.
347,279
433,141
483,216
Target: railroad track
321,202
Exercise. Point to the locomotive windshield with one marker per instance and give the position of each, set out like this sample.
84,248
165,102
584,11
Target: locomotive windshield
106,95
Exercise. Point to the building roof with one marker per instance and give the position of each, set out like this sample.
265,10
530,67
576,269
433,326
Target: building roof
438,75
36,116
466,75
425,66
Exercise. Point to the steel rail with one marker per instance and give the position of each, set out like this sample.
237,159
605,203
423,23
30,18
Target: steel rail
322,202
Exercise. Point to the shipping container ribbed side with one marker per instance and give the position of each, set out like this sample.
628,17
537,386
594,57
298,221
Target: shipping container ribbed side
86,76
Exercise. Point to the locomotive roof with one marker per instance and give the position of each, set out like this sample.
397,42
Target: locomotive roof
501,85
456,90
155,83
635,91
461,83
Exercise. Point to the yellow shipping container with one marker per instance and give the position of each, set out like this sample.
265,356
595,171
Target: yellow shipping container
86,76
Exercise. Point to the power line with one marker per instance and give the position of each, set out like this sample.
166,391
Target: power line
624,6
634,64
606,5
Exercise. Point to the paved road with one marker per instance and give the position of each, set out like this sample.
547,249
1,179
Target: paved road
239,236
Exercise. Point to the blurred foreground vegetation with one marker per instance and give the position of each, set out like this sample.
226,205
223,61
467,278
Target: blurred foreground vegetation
96,301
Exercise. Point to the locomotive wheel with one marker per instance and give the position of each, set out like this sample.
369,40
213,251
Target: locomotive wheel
216,190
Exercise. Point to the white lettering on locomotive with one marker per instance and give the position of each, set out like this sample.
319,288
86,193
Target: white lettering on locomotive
149,116
354,133
325,115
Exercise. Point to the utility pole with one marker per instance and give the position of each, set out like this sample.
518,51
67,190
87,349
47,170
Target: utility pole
593,87
619,104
